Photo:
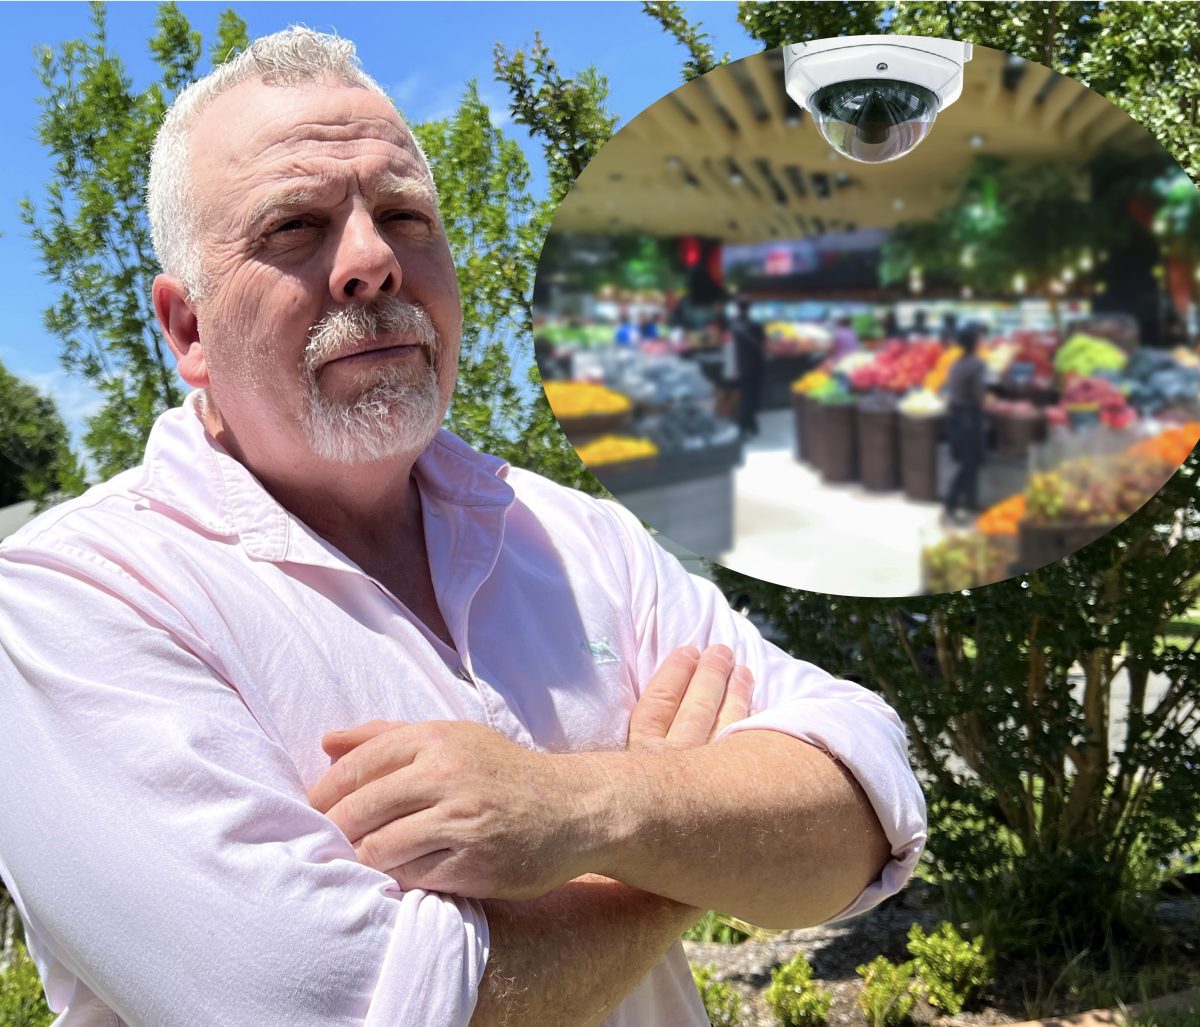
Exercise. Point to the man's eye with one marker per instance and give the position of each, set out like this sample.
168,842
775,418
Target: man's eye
290,225
403,215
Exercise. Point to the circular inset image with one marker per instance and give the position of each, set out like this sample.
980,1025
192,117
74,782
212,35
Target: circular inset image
942,334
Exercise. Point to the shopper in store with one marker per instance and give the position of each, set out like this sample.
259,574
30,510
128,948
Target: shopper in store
966,389
845,339
750,354
305,549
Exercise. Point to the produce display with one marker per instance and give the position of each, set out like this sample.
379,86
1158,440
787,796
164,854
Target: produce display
1012,408
612,449
851,362
810,382
1171,446
1094,490
576,336
584,399
897,367
1086,354
822,385
649,381
1159,380
1085,394
997,355
1002,519
794,338
1031,361
941,370
922,403
965,561
686,428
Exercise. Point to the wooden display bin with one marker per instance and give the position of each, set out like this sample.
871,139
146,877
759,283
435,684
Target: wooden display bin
837,457
918,456
1015,435
879,449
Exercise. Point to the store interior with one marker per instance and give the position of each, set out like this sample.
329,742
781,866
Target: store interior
1036,217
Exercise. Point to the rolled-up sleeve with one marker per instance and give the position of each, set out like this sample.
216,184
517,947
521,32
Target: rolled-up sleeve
159,843
854,725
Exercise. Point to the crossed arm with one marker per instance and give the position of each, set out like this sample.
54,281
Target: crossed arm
635,844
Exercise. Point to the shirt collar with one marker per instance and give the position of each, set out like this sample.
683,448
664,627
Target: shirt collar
188,471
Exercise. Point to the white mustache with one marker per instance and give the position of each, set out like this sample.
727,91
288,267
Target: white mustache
344,328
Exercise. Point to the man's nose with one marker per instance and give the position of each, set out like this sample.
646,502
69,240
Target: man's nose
365,265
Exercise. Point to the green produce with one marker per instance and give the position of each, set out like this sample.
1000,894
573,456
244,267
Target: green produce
1086,354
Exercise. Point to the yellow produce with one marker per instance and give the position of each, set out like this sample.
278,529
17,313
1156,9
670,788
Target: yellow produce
613,449
937,377
583,399
810,382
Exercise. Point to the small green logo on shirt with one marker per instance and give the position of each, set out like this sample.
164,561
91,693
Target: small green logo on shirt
601,651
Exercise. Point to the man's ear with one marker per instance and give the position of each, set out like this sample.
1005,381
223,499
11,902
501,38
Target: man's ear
177,318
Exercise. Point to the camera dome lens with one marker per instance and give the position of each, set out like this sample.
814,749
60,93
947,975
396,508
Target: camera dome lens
873,120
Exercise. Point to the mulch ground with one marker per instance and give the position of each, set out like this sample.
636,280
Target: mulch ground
834,951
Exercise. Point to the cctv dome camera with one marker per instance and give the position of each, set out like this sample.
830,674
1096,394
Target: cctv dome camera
874,98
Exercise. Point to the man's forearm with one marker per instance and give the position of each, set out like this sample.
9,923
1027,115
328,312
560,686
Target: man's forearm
569,957
760,825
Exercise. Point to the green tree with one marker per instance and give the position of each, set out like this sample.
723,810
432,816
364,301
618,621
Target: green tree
571,118
776,24
90,227
483,194
701,55
36,461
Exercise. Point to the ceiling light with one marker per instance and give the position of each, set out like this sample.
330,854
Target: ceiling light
977,139
897,204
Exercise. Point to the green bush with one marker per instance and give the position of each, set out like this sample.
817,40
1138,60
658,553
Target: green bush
22,1002
889,992
720,1000
952,970
793,997
717,927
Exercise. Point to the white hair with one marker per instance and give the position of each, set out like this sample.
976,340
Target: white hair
294,56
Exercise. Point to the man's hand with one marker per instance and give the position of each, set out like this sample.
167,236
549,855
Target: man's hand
456,807
692,697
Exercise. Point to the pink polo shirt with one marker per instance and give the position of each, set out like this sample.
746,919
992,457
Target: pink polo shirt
173,645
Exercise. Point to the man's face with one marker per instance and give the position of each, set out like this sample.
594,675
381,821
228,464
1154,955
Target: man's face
330,320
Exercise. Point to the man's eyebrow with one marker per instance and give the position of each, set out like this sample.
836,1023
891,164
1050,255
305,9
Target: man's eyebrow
277,203
391,186
397,187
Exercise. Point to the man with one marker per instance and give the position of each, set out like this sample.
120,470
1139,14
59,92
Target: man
521,817
966,388
750,356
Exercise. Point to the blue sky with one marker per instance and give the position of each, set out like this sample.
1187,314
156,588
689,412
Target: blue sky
403,45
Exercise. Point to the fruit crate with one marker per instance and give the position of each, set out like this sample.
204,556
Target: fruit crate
918,456
1040,544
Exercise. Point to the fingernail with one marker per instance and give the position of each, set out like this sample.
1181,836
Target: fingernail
691,652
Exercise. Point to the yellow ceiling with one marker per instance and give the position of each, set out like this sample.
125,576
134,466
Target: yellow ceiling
668,171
